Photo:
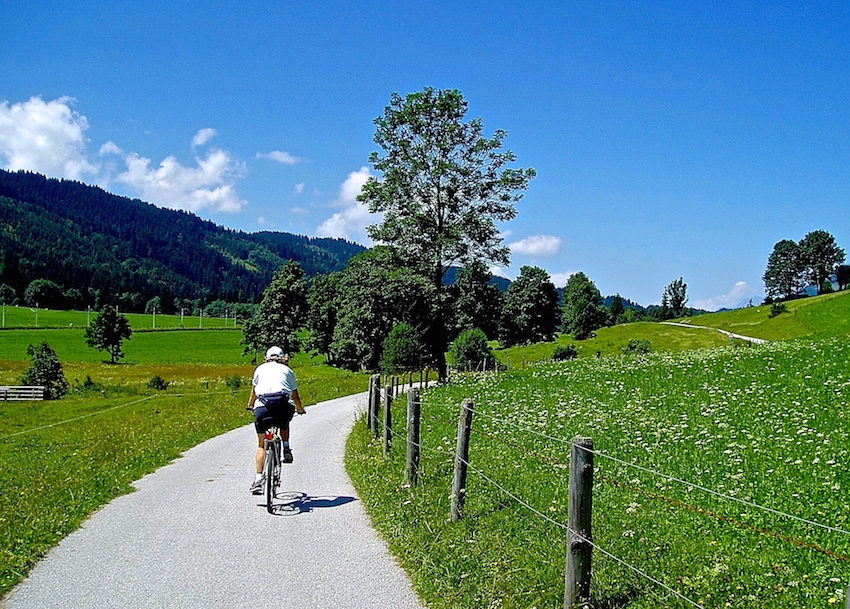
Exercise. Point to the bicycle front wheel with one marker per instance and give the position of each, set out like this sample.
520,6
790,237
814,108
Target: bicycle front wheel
271,475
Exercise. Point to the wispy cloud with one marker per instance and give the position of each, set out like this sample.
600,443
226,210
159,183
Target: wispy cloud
203,136
738,296
536,246
352,220
279,156
47,137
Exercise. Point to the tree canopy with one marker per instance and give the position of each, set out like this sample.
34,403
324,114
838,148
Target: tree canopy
107,332
531,312
442,188
584,312
280,314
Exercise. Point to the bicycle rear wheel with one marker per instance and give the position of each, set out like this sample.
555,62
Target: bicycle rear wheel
272,457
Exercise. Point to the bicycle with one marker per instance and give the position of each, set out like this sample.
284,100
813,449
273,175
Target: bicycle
273,445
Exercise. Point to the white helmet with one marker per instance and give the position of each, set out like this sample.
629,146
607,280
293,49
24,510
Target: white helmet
274,353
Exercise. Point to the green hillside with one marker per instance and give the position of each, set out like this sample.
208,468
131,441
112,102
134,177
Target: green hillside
105,249
816,317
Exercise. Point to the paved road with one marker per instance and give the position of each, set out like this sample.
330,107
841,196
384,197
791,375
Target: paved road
192,535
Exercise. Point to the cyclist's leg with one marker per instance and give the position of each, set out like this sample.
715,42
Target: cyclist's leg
285,418
262,422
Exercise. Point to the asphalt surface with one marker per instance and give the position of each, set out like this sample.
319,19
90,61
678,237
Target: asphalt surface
192,535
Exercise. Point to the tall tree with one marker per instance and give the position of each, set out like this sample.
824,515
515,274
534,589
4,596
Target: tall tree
280,314
584,312
676,295
783,276
820,257
107,332
531,312
322,304
443,186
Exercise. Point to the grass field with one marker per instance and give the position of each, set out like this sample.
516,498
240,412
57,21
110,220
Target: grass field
691,445
61,460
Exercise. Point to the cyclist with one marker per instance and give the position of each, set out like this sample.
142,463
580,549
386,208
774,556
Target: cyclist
273,391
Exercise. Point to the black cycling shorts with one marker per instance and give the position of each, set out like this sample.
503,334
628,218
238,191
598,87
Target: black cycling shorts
280,416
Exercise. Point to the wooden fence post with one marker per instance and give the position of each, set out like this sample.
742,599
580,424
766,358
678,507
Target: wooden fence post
580,550
464,428
369,398
388,420
376,408
414,412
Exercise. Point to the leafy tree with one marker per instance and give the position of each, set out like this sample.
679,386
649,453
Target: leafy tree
637,346
280,314
470,349
107,332
443,187
153,305
531,312
45,371
477,303
584,312
403,349
842,276
676,295
783,276
375,293
44,293
7,294
322,304
616,311
820,256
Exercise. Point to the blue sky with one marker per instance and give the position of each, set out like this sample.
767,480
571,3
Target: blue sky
671,139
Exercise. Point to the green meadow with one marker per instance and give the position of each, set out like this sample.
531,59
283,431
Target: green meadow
112,429
721,473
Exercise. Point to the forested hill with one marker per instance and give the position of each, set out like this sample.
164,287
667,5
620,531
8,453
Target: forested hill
101,248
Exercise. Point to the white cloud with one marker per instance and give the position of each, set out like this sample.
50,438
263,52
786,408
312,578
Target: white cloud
208,186
560,279
299,188
279,156
203,136
351,222
537,245
738,296
110,147
46,137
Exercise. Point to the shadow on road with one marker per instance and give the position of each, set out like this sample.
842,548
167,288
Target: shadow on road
293,503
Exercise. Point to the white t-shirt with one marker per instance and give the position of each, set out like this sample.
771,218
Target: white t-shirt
272,377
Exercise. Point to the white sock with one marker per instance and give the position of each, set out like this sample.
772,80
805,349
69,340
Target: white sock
259,477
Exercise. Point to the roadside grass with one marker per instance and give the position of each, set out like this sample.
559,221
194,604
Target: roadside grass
763,424
61,460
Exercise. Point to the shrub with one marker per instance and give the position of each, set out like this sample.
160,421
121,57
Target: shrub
777,309
470,349
158,383
45,371
234,382
403,349
637,346
562,353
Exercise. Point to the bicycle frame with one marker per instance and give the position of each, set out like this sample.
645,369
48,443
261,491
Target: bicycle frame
273,445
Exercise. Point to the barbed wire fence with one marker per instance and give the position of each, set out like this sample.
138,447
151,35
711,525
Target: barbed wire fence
578,530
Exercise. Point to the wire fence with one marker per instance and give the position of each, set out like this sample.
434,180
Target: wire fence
562,463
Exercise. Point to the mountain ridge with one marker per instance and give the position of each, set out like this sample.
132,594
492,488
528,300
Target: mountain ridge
107,247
